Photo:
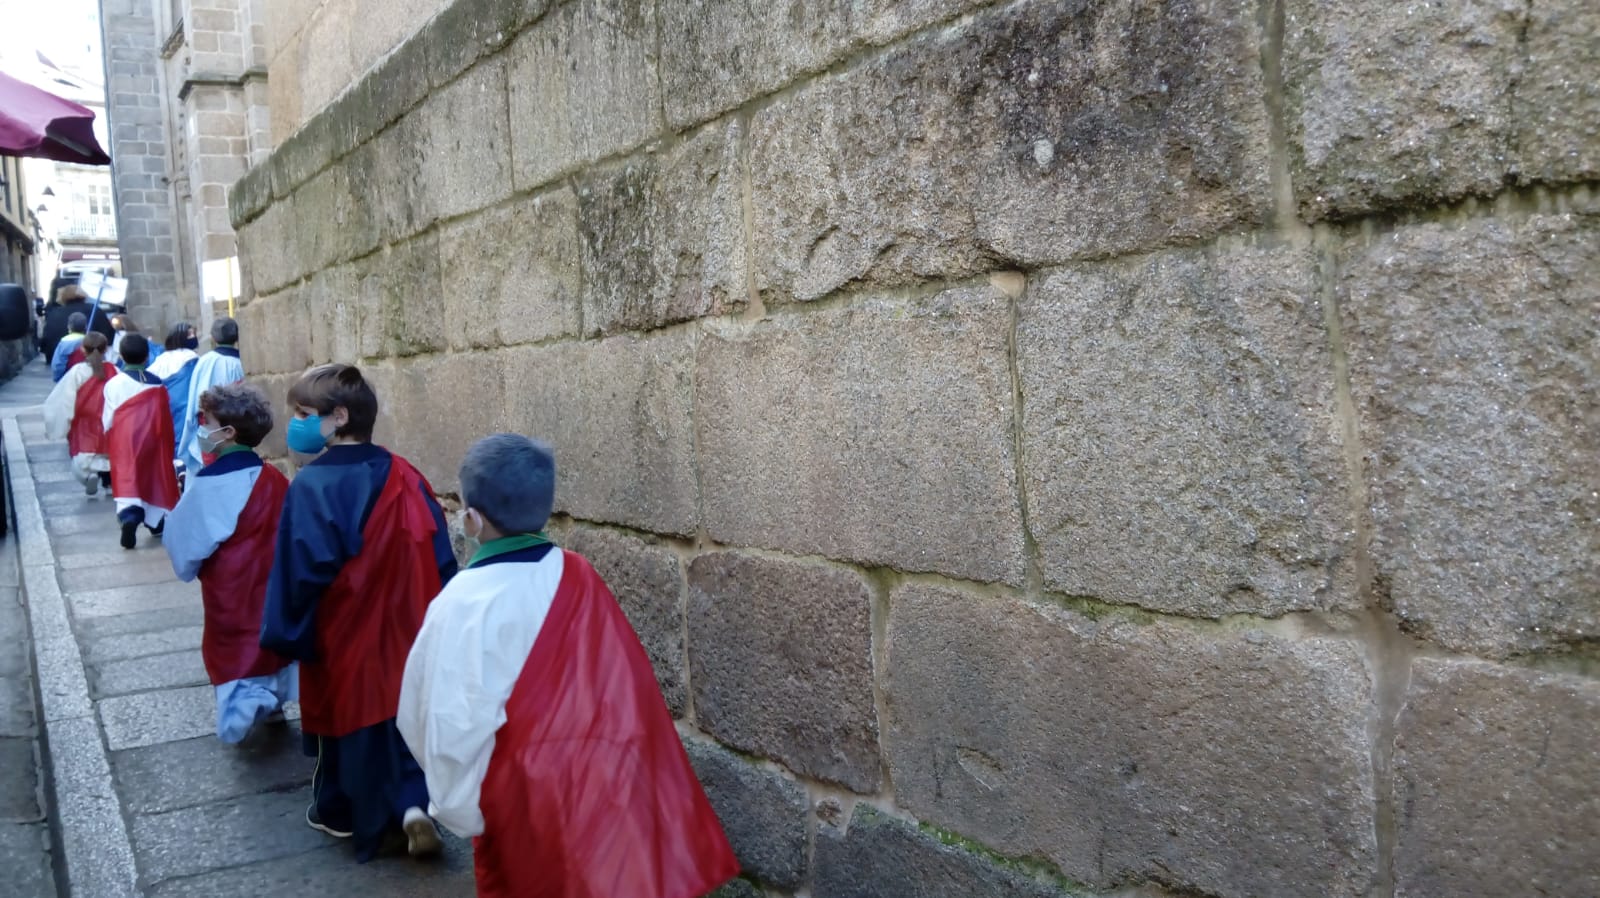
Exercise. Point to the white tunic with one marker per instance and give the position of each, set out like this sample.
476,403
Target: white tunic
466,660
119,390
171,362
59,409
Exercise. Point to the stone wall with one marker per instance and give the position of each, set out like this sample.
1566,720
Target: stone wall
1046,448
141,165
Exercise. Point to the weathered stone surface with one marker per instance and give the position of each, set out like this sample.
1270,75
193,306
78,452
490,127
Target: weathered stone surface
663,235
273,249
144,674
1475,353
1557,100
513,273
148,718
618,413
394,86
1180,435
1114,749
146,570
442,405
583,86
1495,787
762,812
19,791
738,888
880,857
1396,103
780,656
256,827
411,290
132,599
1033,133
882,431
24,852
270,760
717,55
387,175
330,870
463,33
648,582
468,163
881,21
98,650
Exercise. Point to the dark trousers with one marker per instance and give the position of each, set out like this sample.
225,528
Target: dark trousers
364,783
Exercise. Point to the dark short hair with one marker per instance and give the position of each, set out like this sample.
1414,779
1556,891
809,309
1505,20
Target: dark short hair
178,336
77,322
327,387
134,348
94,341
241,406
511,480
225,331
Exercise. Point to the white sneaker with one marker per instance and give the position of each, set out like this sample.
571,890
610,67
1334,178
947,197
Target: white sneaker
422,836
91,485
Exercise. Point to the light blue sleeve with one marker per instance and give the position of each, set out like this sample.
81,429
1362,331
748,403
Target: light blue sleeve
211,370
206,515
58,362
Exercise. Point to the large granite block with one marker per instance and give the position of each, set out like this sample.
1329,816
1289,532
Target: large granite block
1475,353
663,235
1030,134
1220,762
1180,434
1392,104
1495,787
780,656
878,433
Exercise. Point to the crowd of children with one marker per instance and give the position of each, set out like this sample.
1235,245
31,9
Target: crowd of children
509,700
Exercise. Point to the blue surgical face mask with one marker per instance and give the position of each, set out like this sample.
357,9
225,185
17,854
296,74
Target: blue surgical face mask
305,435
191,343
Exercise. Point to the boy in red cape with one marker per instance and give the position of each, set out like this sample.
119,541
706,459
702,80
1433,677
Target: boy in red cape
534,711
138,422
362,549
223,531
74,411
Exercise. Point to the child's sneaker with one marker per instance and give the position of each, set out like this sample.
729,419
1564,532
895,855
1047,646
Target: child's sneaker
91,485
315,822
422,836
130,534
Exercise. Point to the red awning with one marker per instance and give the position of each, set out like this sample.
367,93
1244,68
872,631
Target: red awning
34,122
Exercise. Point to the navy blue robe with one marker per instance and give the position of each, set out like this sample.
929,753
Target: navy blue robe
365,780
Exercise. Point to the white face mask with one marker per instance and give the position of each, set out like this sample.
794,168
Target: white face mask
211,439
468,515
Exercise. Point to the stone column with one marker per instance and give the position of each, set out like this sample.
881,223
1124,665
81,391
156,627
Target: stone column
140,168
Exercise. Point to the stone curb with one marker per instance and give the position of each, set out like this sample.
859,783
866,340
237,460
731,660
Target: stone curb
98,856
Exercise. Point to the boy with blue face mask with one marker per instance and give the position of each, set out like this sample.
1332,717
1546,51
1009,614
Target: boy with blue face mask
223,531
362,549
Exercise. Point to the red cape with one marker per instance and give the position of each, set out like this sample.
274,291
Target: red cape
369,617
233,586
77,356
589,793
139,444
87,435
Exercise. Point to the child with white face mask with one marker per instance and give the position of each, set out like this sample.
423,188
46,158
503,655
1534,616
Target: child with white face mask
362,549
223,531
532,707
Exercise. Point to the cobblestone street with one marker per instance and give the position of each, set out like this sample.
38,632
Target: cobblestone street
128,715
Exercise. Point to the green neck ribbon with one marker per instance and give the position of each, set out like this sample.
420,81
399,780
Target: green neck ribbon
505,544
